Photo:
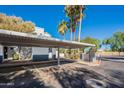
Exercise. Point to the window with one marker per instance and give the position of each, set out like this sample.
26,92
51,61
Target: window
50,49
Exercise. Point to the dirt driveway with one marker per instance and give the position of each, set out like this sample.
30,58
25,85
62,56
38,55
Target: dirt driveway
71,75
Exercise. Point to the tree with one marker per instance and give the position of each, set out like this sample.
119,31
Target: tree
16,24
75,14
70,13
80,13
92,41
62,28
116,42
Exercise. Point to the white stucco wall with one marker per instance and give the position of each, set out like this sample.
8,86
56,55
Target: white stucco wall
1,50
61,55
40,51
54,51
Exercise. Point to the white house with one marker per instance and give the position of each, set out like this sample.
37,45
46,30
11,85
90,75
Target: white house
39,53
33,46
28,53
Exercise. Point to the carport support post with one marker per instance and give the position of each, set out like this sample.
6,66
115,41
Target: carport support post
58,57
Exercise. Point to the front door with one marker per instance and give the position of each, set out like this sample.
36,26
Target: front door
5,52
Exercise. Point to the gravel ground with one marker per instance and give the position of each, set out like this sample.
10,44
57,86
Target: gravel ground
71,75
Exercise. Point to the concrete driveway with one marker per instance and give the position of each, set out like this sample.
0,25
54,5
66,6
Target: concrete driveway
71,75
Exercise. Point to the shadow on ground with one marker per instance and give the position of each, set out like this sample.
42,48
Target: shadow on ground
40,65
21,80
67,76
83,78
118,74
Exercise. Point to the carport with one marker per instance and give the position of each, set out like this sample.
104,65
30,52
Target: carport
12,38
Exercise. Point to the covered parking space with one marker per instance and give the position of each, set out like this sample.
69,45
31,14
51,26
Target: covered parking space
11,38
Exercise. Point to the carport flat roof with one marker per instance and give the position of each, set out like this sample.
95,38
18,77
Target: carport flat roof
12,38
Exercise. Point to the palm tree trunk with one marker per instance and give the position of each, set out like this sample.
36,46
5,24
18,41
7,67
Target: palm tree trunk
64,37
79,32
71,35
74,35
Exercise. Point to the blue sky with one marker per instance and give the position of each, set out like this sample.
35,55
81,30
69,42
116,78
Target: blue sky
99,21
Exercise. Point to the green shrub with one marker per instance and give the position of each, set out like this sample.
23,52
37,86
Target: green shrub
15,56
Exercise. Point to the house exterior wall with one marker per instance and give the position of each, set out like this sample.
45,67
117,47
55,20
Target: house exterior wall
1,53
61,55
54,52
40,54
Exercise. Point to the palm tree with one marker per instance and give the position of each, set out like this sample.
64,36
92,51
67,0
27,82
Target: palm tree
62,28
74,12
69,10
80,13
74,29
